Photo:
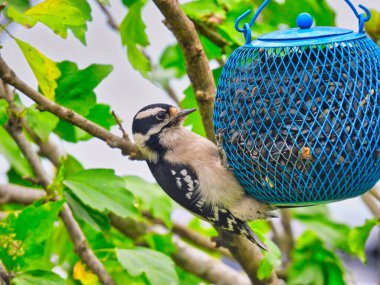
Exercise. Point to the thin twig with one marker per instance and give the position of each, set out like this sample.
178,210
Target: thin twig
171,93
110,19
209,33
191,236
120,124
198,239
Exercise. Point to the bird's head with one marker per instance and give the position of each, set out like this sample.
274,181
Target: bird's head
152,123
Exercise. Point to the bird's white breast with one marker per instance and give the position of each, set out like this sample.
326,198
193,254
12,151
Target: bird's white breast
218,186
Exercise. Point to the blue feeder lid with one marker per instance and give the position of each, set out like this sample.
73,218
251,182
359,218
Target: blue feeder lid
305,35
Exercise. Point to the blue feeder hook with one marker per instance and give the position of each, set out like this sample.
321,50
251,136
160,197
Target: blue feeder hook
246,30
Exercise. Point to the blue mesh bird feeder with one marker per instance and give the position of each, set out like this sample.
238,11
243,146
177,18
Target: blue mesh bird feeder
297,112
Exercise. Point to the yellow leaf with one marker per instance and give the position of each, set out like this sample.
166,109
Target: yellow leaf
83,275
45,70
58,15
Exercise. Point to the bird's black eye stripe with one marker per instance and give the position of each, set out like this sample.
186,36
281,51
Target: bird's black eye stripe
161,116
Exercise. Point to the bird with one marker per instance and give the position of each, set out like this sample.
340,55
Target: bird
188,168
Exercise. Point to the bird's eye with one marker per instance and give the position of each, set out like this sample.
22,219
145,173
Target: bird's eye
161,116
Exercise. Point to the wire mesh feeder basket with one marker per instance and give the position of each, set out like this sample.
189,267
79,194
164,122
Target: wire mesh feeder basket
297,112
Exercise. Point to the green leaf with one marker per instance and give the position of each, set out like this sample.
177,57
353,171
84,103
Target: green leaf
70,133
39,277
205,10
212,51
75,87
45,70
132,28
172,58
98,221
102,190
314,264
71,165
271,260
265,269
76,91
13,154
60,244
15,178
22,236
15,10
372,27
21,5
186,278
101,115
202,227
34,223
42,123
62,15
151,197
358,237
158,267
80,31
139,60
133,37
317,219
129,3
105,2
3,111
194,119
161,242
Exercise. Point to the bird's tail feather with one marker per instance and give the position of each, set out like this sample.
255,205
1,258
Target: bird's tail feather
250,235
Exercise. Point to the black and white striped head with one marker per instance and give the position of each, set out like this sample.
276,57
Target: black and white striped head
154,121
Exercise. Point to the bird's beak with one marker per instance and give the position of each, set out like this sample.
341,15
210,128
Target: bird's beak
184,113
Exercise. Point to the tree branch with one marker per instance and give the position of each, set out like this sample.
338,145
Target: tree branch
248,256
197,66
81,247
11,193
198,239
4,275
200,264
371,204
375,194
45,147
288,238
44,104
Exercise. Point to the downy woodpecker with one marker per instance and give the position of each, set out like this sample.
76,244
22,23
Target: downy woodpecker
188,168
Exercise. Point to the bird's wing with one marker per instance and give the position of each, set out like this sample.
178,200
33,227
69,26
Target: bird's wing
181,184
